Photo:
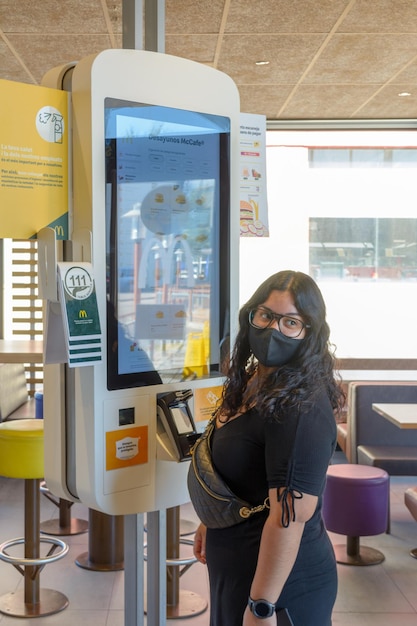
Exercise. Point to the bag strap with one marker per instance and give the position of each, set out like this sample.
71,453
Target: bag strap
244,511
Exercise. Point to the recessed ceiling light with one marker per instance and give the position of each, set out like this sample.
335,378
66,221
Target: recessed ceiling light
261,62
404,94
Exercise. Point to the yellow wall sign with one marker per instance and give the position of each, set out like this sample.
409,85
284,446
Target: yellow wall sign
126,447
33,160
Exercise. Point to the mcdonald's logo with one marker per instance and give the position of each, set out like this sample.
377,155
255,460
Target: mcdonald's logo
59,230
82,313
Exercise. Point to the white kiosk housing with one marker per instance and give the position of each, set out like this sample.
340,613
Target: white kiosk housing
156,213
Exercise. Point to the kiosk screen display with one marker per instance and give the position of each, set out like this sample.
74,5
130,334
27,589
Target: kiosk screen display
167,242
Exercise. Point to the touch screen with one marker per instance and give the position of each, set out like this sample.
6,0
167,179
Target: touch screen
167,224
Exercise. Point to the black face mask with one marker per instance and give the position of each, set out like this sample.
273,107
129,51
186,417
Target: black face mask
271,347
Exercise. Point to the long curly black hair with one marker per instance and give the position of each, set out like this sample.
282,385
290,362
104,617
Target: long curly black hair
308,373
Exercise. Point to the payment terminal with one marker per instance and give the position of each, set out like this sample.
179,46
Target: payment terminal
176,422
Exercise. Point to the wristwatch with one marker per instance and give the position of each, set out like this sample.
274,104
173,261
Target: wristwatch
261,608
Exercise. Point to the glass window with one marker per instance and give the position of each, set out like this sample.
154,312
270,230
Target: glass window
362,157
342,208
363,248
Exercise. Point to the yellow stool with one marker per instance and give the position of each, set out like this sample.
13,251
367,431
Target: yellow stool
21,456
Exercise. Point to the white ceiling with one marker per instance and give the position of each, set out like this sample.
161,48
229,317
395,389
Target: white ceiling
328,59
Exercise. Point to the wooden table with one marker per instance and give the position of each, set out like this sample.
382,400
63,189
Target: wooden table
402,415
21,351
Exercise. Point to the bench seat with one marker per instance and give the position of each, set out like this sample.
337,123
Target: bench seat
373,440
342,429
25,411
395,460
15,402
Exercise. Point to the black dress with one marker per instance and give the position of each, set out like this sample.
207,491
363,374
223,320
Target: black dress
253,454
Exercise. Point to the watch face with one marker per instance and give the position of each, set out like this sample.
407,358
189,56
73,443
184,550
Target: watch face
262,608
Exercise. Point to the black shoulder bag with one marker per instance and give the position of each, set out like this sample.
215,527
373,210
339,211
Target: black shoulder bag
214,502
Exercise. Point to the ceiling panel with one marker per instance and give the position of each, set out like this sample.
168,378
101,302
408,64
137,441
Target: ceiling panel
203,46
327,102
266,98
363,59
288,57
282,16
193,16
48,17
62,49
381,16
327,58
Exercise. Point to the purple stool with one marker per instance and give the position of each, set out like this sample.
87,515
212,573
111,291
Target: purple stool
356,504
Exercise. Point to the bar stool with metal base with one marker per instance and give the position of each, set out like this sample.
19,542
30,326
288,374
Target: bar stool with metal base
64,524
180,603
22,456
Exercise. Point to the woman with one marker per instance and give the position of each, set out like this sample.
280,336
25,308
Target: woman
275,436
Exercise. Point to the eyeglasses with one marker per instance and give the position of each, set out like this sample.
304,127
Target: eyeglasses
264,318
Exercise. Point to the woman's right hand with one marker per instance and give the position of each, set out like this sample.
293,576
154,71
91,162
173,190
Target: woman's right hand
200,544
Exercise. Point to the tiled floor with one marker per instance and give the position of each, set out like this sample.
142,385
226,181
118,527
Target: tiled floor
380,595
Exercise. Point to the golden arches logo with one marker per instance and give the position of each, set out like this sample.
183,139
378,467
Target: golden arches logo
82,313
59,230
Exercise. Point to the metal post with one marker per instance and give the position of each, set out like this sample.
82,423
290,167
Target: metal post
173,552
155,25
144,25
156,587
132,19
32,541
105,543
134,573
150,14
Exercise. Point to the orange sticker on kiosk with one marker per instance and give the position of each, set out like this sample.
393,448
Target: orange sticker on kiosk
206,400
127,447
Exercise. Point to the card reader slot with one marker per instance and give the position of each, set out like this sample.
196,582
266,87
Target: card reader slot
176,423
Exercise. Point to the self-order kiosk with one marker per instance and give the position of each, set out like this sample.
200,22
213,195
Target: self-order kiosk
144,285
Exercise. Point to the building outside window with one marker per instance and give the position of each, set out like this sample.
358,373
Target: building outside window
363,248
343,208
